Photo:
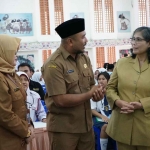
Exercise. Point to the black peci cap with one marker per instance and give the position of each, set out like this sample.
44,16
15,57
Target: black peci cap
70,27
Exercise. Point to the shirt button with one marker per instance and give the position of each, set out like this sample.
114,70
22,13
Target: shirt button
133,93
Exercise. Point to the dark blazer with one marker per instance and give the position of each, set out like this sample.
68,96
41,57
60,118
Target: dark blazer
35,86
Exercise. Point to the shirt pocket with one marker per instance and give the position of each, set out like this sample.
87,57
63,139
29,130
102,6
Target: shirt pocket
86,78
72,80
17,100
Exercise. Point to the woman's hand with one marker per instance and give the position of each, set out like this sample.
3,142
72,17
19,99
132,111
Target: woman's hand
137,105
126,107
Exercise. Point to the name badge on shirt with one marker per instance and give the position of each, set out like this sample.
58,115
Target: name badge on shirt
35,89
70,71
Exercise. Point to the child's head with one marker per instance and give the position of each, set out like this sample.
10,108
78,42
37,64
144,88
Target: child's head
24,79
103,78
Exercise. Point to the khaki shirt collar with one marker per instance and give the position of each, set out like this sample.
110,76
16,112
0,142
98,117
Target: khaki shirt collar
136,66
65,53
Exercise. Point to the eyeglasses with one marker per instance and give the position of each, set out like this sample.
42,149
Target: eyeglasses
136,40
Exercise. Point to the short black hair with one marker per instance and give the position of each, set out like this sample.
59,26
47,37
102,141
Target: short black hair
105,65
32,70
110,66
24,65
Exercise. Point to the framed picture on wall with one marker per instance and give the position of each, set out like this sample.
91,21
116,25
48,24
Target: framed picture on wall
123,21
16,24
77,15
26,59
124,53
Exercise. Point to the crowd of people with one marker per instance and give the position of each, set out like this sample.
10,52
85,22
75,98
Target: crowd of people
115,98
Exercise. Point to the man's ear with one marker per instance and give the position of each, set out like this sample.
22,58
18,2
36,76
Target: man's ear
70,41
149,44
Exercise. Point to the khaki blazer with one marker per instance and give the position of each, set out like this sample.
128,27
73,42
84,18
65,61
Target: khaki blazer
13,124
130,83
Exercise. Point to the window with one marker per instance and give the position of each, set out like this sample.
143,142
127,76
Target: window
44,15
100,57
98,16
109,21
111,56
58,12
103,16
46,54
142,13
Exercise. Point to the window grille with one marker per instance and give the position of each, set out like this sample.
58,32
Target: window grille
100,57
46,54
44,15
58,12
103,16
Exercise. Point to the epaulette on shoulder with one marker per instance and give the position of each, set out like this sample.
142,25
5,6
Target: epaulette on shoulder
55,55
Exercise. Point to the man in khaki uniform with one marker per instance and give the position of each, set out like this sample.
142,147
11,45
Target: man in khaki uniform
70,83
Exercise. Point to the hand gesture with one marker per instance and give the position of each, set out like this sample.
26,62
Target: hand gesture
98,93
137,105
125,106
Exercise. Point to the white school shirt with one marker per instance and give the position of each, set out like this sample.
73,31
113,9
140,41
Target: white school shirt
99,106
35,106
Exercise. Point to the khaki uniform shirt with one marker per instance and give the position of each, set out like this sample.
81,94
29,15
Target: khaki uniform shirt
130,84
13,124
64,75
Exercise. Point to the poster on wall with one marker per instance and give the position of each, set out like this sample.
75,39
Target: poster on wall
26,59
16,24
124,53
123,21
76,15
